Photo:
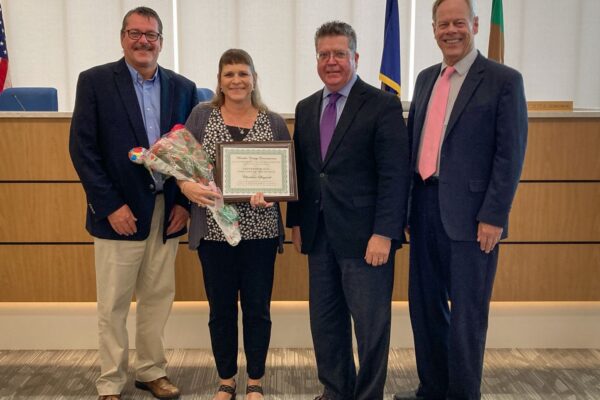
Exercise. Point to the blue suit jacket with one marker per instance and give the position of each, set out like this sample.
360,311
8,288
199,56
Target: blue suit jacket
362,185
106,124
483,149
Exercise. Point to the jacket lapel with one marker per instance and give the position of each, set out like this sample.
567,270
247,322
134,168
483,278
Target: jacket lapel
353,104
127,92
315,125
472,80
167,91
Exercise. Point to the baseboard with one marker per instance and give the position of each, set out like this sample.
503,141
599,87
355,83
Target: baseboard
512,325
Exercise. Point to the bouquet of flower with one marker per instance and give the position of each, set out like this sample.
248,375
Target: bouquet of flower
179,155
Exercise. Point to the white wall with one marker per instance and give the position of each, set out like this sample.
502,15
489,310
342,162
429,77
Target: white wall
550,325
552,42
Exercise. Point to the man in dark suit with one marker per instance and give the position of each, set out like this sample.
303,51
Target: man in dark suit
352,163
135,218
468,130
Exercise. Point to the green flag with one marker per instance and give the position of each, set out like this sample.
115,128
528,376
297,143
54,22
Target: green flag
496,44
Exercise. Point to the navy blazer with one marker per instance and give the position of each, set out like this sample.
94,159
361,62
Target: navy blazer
106,124
362,185
483,149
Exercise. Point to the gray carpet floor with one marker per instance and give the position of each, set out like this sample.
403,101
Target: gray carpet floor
518,374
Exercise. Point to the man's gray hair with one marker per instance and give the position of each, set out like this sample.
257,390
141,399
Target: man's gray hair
470,3
144,12
337,28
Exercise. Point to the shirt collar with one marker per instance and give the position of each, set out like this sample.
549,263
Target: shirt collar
463,66
345,91
135,75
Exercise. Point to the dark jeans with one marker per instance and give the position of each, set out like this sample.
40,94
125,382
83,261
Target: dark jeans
341,290
449,340
248,269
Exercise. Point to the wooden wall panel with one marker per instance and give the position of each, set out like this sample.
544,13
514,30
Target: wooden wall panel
36,149
66,273
188,276
558,149
562,149
556,212
55,212
42,212
288,231
401,275
47,273
290,124
526,272
548,272
291,275
557,207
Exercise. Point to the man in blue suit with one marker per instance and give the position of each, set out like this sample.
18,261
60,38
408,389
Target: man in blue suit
352,163
135,218
463,187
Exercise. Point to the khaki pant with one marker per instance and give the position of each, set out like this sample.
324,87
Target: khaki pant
146,268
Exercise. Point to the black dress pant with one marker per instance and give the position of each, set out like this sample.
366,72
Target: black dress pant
342,291
450,286
246,269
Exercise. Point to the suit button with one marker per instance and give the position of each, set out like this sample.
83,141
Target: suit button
317,201
322,175
151,186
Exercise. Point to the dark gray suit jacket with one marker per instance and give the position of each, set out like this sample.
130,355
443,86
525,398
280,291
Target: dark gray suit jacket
106,124
362,185
483,149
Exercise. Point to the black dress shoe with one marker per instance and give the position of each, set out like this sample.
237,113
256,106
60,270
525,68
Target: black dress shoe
407,396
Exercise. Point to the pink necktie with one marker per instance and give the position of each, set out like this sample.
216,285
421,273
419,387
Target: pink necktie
434,125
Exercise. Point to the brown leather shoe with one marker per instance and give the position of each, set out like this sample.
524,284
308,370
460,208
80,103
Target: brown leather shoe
161,388
110,397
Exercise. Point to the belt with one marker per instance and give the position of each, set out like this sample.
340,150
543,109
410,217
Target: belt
431,181
158,192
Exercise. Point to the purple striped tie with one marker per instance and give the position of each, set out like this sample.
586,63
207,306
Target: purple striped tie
328,121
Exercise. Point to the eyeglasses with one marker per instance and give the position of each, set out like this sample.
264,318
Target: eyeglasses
134,34
338,55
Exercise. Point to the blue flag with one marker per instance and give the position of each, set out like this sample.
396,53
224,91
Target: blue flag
389,74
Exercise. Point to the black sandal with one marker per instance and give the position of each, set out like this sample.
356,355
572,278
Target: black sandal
254,389
227,389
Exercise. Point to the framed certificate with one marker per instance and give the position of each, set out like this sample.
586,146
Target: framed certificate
245,168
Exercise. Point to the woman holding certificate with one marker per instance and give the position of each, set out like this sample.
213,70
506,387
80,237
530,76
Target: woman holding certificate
236,113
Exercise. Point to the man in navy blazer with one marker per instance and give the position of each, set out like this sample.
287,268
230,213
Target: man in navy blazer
459,211
135,218
350,214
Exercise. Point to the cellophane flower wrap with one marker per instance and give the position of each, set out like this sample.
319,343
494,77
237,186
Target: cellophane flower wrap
178,154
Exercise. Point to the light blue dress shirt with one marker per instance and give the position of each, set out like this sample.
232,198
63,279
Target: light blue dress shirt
148,95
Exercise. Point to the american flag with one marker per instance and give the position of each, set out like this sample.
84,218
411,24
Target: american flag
4,79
